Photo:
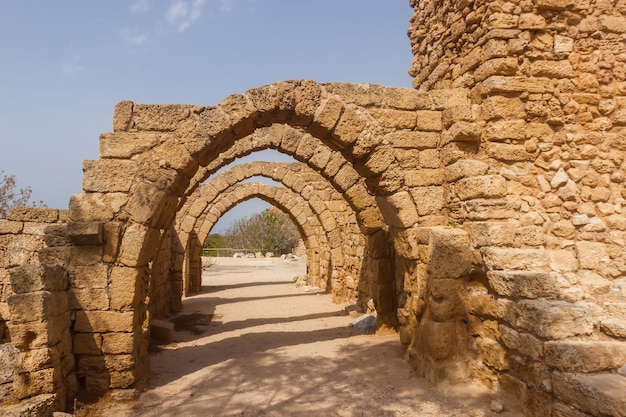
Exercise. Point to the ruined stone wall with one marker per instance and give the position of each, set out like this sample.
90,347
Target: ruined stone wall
534,170
36,350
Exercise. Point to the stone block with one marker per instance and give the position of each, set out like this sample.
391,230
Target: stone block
36,277
491,233
446,299
30,384
126,287
108,175
161,330
465,168
37,306
428,200
484,186
601,394
398,209
585,356
553,319
138,245
123,145
552,69
159,117
524,343
9,360
517,84
397,119
413,140
490,352
33,214
349,126
95,206
407,99
118,343
591,254
495,107
87,343
88,298
429,121
38,359
85,233
10,227
503,130
508,152
614,327
104,321
515,259
463,132
524,284
449,253
91,276
439,339
35,334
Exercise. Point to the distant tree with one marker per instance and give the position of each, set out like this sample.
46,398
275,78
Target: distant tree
268,231
10,196
214,240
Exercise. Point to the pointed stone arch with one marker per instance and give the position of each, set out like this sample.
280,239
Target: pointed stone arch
346,244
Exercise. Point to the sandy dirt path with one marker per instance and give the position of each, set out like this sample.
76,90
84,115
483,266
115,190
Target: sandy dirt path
252,344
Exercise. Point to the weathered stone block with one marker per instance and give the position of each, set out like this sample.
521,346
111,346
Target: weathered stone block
585,356
428,200
91,276
88,298
87,343
591,254
30,384
37,306
508,152
449,253
95,206
489,352
126,285
553,319
595,394
349,126
397,119
503,84
515,259
104,321
429,121
446,299
85,233
161,330
491,233
35,334
413,140
463,132
108,175
35,277
465,168
524,284
398,209
10,227
138,245
118,343
524,343
485,186
124,145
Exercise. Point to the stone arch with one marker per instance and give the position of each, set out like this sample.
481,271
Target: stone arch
150,160
340,228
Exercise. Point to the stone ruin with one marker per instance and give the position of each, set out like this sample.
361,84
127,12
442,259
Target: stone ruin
482,213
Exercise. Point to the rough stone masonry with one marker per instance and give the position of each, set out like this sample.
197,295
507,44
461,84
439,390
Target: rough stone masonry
482,214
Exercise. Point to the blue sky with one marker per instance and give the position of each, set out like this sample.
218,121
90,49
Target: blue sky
64,64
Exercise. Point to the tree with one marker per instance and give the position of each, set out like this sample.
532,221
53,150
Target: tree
10,196
268,231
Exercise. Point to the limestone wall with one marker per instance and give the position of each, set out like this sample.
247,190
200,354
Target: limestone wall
36,350
534,170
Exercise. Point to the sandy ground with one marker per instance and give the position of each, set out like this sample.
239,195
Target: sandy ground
252,344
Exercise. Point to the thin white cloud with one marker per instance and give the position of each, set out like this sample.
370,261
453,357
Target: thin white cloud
227,5
130,38
72,66
183,13
140,6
